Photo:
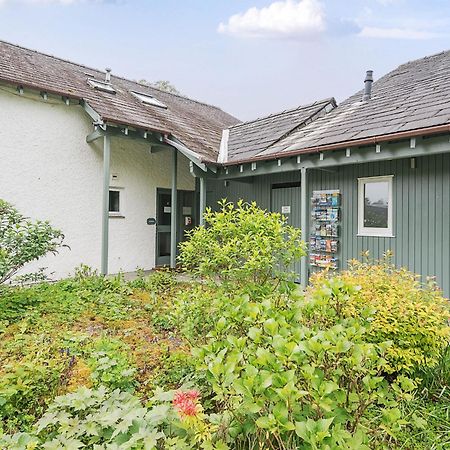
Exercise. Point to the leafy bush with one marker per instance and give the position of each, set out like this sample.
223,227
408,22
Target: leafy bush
196,310
101,419
411,314
27,388
89,417
242,244
295,373
23,241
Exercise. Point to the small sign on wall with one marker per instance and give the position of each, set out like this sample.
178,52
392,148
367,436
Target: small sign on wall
167,209
286,209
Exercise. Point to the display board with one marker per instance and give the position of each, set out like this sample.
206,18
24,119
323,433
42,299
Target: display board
325,229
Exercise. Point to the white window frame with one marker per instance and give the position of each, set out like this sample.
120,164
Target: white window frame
101,85
148,99
119,213
371,231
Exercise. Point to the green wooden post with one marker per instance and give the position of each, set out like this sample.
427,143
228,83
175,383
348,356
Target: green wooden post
202,199
105,206
173,212
304,223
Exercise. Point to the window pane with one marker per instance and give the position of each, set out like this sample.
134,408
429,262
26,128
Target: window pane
164,209
114,205
164,243
376,199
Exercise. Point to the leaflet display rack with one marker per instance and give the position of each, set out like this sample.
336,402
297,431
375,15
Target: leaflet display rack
325,229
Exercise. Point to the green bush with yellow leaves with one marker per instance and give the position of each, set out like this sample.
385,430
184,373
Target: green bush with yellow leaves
410,313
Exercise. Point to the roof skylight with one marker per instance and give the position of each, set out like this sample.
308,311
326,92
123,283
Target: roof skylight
148,99
101,85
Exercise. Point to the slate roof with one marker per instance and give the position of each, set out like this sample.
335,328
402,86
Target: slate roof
198,125
412,97
248,139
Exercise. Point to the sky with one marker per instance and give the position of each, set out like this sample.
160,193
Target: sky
249,57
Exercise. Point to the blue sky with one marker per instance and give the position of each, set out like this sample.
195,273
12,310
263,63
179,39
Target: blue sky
250,57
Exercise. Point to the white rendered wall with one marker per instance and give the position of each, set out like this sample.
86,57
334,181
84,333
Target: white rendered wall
49,172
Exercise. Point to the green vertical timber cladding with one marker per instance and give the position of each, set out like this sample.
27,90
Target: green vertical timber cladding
421,208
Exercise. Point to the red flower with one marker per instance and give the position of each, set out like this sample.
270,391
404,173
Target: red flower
186,403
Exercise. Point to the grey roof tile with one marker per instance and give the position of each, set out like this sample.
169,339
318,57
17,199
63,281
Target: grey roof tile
196,124
413,96
250,138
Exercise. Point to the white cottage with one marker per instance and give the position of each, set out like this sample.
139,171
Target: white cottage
102,158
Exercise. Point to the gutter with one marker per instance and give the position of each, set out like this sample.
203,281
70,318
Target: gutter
346,144
81,100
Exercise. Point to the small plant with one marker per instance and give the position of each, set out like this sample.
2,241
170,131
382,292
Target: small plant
110,366
241,245
159,282
23,241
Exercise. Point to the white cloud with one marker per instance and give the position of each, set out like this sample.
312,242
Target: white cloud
396,33
288,18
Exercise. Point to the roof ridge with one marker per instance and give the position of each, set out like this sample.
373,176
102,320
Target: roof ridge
308,105
423,58
112,74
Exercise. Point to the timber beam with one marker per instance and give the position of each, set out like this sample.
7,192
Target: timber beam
151,138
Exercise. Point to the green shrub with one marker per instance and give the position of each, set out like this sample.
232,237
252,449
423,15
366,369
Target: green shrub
411,314
242,244
23,241
196,309
295,373
87,283
26,389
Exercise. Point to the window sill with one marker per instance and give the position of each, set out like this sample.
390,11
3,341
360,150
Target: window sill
116,216
376,235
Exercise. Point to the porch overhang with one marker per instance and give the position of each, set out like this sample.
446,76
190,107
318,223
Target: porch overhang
407,148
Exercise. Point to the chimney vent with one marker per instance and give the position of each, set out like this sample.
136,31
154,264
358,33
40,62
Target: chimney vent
108,75
368,85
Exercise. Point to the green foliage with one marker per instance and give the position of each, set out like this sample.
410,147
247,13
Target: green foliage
26,389
158,282
101,419
428,425
279,369
242,244
85,331
411,314
435,380
95,419
196,309
23,241
111,366
296,373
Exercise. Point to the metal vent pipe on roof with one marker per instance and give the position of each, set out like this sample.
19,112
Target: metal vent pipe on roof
368,81
108,75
